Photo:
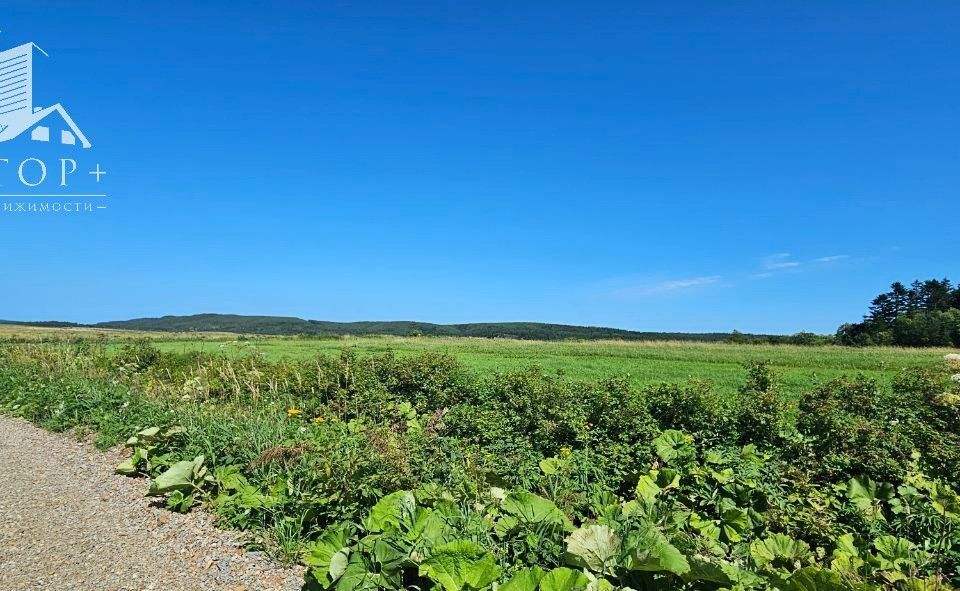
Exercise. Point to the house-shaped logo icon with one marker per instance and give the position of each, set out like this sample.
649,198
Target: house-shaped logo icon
18,115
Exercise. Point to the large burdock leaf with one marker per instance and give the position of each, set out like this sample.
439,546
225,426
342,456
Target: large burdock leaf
564,579
506,525
868,496
527,507
704,569
387,557
652,484
945,501
434,527
552,466
929,584
328,557
181,476
460,565
846,556
647,488
602,585
780,551
893,552
734,523
649,550
674,446
526,579
596,547
814,578
358,577
391,511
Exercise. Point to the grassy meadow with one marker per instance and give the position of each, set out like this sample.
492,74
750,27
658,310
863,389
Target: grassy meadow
642,363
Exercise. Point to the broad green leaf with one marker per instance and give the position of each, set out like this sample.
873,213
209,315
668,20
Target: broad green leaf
647,488
847,545
741,577
390,511
596,547
734,523
780,551
506,525
564,579
673,445
814,578
649,550
127,467
945,501
893,552
131,466
703,569
148,433
357,576
551,466
707,527
435,527
652,484
329,555
846,556
530,508
388,557
181,476
526,579
600,585
929,584
460,565
867,495
179,502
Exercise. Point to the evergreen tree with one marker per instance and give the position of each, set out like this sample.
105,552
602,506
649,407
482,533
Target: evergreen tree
927,314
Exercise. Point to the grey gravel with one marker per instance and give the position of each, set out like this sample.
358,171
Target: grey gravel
67,523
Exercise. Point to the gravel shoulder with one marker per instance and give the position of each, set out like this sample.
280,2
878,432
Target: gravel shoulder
68,523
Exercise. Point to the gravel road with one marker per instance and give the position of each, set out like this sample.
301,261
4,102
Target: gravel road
67,523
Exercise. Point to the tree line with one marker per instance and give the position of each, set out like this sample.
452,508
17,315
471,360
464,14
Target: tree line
925,314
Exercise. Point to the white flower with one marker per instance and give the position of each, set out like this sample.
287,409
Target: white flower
951,357
955,377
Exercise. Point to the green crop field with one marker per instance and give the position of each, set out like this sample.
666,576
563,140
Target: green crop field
641,363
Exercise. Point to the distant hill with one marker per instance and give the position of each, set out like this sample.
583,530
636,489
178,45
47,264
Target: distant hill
289,326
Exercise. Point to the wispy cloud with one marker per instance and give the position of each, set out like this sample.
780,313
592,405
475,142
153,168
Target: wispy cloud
666,286
832,258
684,283
779,261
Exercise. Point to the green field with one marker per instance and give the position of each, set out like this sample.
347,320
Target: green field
641,363
411,467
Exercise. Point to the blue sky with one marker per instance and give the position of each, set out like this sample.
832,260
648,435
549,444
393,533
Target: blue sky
695,166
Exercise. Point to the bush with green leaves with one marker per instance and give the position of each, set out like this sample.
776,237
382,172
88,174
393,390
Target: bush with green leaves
700,520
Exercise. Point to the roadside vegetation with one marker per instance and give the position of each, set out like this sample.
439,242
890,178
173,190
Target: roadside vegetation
412,471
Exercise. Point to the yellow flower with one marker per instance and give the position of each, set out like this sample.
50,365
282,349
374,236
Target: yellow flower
565,451
292,412
319,420
334,419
